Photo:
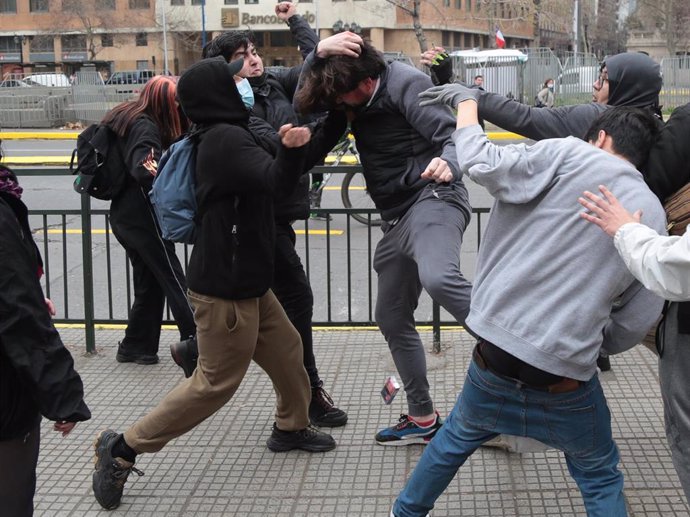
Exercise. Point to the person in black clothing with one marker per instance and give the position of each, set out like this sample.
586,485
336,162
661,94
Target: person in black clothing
273,92
238,317
147,126
37,374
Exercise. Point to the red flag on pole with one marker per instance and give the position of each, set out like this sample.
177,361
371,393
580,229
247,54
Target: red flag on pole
500,40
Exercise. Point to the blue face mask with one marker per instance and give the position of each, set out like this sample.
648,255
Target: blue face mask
245,90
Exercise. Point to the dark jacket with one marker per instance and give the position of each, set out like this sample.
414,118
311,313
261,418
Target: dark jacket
236,181
37,374
397,139
273,93
668,169
141,145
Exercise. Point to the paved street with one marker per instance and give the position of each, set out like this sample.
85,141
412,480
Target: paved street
223,467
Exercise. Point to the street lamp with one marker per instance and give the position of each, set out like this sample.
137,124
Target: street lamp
165,39
203,23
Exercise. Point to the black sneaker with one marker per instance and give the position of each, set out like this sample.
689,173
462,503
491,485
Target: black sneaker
185,354
322,411
408,432
111,473
308,439
124,357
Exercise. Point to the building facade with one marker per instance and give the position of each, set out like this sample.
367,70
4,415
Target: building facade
115,35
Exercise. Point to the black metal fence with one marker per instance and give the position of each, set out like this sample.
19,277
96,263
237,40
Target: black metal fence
88,274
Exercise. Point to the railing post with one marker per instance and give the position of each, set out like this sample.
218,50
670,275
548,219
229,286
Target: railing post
436,326
87,262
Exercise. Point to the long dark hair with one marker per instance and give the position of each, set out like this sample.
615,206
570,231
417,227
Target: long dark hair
158,100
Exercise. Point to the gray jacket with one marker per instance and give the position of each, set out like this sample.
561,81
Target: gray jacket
550,288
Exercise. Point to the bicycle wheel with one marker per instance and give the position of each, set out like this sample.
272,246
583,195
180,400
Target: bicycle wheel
354,195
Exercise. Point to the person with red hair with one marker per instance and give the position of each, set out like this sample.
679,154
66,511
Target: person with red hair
146,126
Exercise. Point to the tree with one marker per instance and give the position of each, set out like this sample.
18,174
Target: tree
412,7
670,18
90,19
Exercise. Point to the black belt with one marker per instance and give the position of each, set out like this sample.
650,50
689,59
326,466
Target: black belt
564,385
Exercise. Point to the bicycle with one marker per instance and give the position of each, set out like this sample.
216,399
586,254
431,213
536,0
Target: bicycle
353,190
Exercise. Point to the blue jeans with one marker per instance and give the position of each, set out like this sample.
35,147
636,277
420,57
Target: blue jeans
577,423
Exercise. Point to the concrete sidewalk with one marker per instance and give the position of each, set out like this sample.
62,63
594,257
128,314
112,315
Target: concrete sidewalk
223,468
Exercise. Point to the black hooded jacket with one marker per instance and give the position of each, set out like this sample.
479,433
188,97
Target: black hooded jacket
37,374
236,182
634,80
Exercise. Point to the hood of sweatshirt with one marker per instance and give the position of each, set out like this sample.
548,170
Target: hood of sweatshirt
208,94
634,80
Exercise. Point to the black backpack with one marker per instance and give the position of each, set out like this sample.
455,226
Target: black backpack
101,170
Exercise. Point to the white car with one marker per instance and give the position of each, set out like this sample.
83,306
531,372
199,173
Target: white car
48,79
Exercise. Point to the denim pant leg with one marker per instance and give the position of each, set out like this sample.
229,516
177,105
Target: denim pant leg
450,448
579,424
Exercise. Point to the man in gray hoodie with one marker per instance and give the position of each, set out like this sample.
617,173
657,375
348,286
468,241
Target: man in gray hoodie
533,371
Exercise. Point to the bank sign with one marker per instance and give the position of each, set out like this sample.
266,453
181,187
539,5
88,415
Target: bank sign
231,18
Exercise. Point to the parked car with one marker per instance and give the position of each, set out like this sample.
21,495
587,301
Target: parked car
577,80
13,83
47,79
131,77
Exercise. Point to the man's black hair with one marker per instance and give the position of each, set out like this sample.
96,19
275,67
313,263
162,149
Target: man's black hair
227,44
632,130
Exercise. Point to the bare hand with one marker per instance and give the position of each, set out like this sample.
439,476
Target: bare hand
341,44
50,306
433,56
285,10
64,427
292,137
608,214
438,170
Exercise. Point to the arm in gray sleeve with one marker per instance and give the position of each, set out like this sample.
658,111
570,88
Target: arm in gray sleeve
632,316
511,173
538,123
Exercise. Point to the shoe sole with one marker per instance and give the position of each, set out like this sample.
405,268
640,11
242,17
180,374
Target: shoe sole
405,441
282,448
326,423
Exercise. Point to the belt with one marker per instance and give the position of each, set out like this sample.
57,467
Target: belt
566,385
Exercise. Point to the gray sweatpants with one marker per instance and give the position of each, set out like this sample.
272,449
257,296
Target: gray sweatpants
674,366
421,251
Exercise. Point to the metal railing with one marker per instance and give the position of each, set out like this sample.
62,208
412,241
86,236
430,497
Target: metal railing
87,272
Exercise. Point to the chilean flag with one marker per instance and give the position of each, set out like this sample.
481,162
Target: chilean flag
500,40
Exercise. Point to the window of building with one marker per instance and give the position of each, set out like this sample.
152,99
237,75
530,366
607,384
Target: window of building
446,3
139,4
38,6
8,44
176,2
446,39
468,5
74,43
457,39
231,2
42,44
196,2
106,40
458,4
142,39
8,6
105,5
281,39
251,2
142,64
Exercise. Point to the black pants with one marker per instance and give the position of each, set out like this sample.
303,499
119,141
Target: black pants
18,458
156,271
291,287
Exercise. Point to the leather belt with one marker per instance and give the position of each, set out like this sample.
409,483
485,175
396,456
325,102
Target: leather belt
565,385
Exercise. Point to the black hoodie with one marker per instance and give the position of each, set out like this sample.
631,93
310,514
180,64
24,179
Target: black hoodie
634,80
236,181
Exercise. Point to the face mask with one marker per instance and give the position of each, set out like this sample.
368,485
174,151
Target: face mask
550,86
245,90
